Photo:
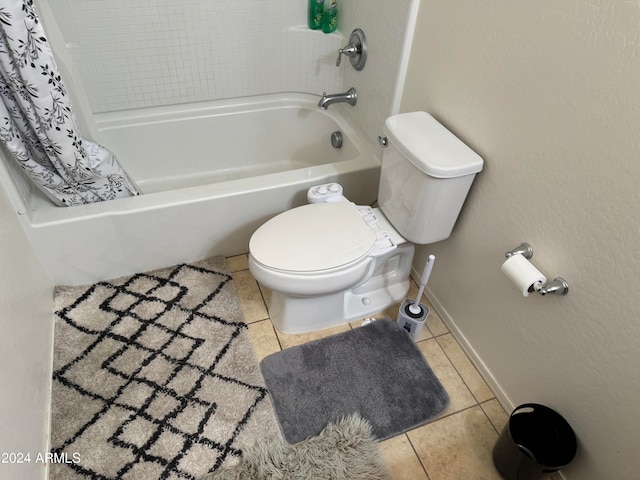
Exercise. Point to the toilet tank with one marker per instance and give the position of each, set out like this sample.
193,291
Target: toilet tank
426,175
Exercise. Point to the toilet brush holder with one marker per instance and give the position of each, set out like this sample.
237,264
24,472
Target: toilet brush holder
412,322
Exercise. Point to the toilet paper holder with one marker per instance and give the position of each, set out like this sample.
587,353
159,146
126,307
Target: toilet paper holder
558,285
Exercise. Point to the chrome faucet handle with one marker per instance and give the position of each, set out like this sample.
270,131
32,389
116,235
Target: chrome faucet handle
349,51
356,50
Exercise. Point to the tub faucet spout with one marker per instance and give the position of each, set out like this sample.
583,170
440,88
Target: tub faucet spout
350,97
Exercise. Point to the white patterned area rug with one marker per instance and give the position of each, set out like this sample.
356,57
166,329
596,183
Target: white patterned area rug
155,377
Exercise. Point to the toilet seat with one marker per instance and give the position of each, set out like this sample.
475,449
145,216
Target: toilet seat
314,238
320,248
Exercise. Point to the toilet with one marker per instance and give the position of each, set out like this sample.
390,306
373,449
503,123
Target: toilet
332,261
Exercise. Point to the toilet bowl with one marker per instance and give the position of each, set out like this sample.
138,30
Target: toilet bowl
332,261
329,263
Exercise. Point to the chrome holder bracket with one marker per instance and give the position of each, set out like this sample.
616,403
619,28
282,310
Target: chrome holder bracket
558,286
523,249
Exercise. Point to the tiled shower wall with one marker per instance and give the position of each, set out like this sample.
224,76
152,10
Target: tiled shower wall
161,52
386,23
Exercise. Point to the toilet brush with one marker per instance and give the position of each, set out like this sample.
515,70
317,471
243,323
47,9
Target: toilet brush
412,314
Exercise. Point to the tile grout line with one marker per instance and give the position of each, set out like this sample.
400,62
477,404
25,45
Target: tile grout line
434,421
460,373
424,468
491,421
264,303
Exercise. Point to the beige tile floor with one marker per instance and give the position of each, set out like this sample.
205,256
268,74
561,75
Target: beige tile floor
456,446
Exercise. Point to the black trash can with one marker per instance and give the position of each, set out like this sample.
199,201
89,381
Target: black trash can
535,441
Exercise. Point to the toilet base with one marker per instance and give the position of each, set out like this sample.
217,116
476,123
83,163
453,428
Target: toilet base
388,285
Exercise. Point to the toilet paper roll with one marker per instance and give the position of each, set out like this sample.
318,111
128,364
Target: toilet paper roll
522,274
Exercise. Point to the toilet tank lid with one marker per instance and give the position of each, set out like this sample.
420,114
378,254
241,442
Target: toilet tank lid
430,147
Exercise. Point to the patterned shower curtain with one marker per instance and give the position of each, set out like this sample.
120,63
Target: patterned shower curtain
37,124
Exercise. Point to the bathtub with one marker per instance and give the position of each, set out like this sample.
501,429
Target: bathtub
210,173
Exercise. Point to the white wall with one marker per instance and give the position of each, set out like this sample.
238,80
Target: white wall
549,94
26,319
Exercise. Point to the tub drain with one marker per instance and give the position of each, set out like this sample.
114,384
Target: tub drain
336,139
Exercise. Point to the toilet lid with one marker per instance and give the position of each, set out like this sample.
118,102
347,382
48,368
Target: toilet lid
313,237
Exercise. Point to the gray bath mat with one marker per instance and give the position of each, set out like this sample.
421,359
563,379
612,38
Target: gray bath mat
375,370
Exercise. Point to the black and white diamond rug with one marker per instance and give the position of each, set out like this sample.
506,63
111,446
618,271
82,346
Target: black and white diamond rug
155,377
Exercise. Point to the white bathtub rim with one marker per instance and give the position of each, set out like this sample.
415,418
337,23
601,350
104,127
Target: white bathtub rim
43,213
229,106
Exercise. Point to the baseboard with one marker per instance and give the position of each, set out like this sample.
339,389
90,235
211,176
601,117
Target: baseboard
500,394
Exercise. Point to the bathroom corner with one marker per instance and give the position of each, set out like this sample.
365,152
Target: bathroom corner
389,28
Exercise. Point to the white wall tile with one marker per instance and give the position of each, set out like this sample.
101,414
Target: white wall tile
159,52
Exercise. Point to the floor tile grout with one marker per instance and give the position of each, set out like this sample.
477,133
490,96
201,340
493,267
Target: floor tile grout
461,375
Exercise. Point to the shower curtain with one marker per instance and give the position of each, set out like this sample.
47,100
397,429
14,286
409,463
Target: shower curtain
37,124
